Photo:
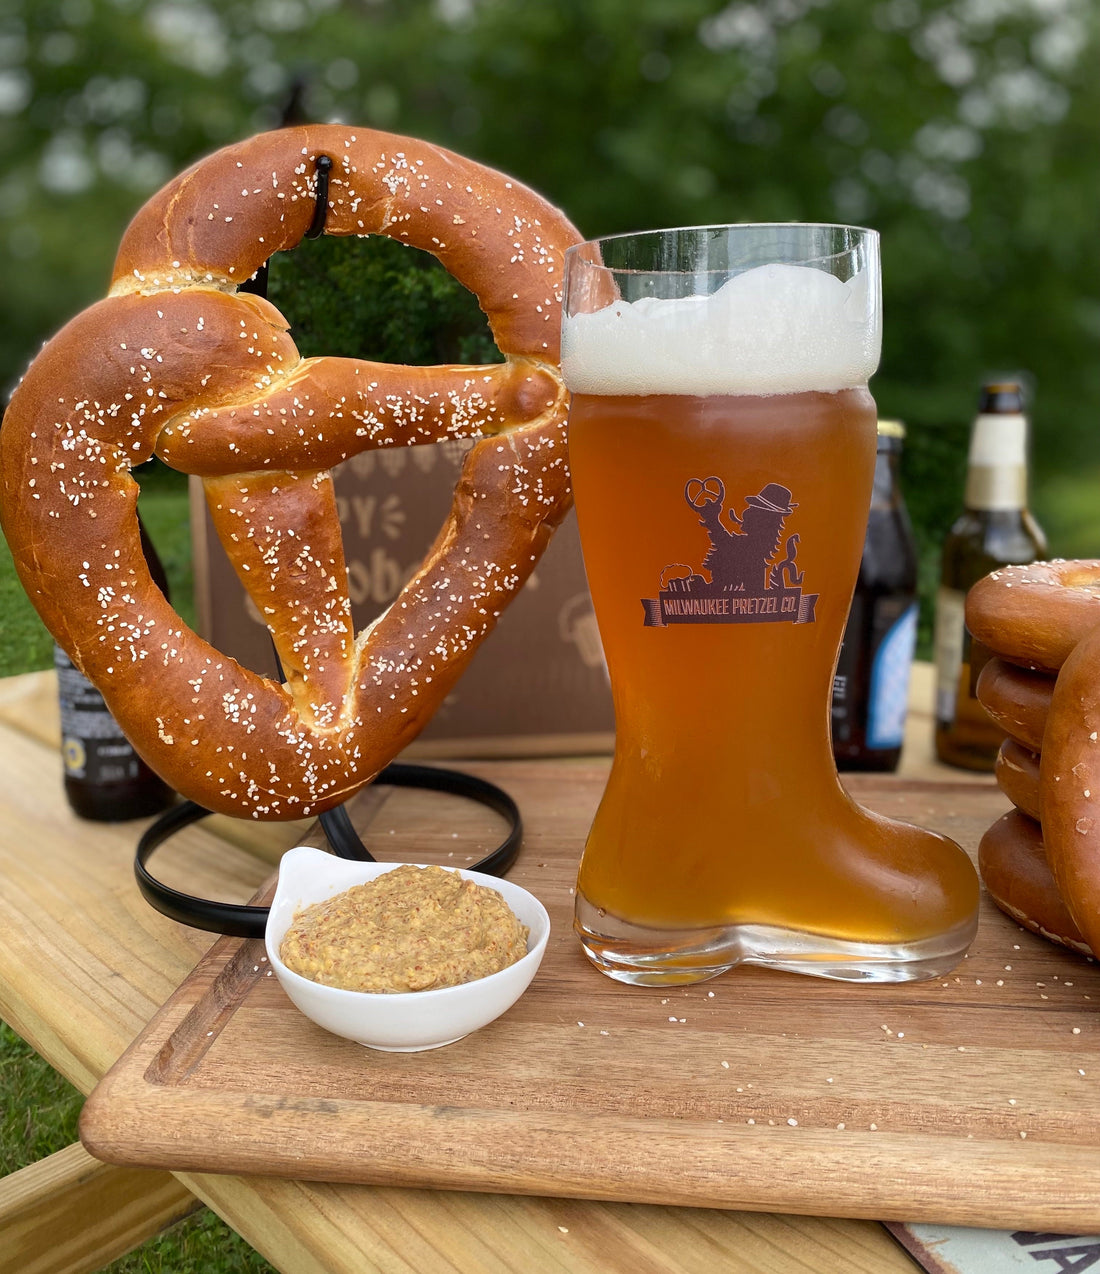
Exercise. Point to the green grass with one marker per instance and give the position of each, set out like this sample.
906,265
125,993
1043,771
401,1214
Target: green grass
40,1108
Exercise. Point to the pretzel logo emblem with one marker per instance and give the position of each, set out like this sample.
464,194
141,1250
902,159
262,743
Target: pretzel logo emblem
178,363
702,491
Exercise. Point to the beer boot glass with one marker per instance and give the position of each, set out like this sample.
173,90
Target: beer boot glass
722,445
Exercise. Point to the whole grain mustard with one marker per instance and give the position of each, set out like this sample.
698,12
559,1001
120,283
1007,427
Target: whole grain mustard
410,929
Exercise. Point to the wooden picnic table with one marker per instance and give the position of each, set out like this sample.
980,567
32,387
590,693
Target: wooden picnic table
84,964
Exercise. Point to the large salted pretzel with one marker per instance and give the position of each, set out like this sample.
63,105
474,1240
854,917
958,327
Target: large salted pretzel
180,363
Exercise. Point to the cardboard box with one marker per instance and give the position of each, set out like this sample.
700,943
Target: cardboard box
537,685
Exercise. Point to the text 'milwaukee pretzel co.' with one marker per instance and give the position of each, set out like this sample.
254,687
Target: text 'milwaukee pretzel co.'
748,584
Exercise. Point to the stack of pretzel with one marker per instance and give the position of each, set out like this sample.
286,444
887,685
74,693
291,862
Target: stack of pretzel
1041,861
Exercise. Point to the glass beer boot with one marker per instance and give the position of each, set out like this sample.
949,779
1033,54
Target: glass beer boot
722,473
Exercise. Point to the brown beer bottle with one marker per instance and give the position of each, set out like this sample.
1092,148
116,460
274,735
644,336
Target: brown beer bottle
871,685
105,779
995,529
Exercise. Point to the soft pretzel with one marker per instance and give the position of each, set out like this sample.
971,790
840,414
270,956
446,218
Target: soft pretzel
177,362
1017,774
1017,699
1045,619
1035,615
1015,871
1070,785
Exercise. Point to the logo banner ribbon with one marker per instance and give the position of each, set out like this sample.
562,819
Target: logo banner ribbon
775,606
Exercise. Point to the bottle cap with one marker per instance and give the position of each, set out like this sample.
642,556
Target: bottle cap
1001,396
891,429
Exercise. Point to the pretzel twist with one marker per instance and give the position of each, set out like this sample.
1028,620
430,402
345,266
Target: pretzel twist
178,363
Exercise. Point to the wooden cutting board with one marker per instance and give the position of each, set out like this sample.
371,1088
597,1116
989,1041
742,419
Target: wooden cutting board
971,1099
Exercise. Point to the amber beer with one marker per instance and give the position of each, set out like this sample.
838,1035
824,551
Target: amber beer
722,534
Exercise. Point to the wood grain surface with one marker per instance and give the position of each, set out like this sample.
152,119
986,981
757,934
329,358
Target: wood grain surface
969,1099
85,963
69,1214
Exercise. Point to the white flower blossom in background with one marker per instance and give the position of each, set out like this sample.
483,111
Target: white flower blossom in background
66,167
15,90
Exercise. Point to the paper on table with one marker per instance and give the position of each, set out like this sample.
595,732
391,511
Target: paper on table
953,1249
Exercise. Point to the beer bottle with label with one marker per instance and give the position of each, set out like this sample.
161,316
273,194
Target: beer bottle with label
105,779
995,529
871,685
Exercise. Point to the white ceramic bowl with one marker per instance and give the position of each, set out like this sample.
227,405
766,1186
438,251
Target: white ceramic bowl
404,1021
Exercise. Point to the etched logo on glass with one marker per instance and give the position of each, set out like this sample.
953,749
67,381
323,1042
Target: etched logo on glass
744,578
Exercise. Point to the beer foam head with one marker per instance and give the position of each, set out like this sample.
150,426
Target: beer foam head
775,329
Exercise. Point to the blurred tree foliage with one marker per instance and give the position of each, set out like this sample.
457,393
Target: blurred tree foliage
966,131
376,298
